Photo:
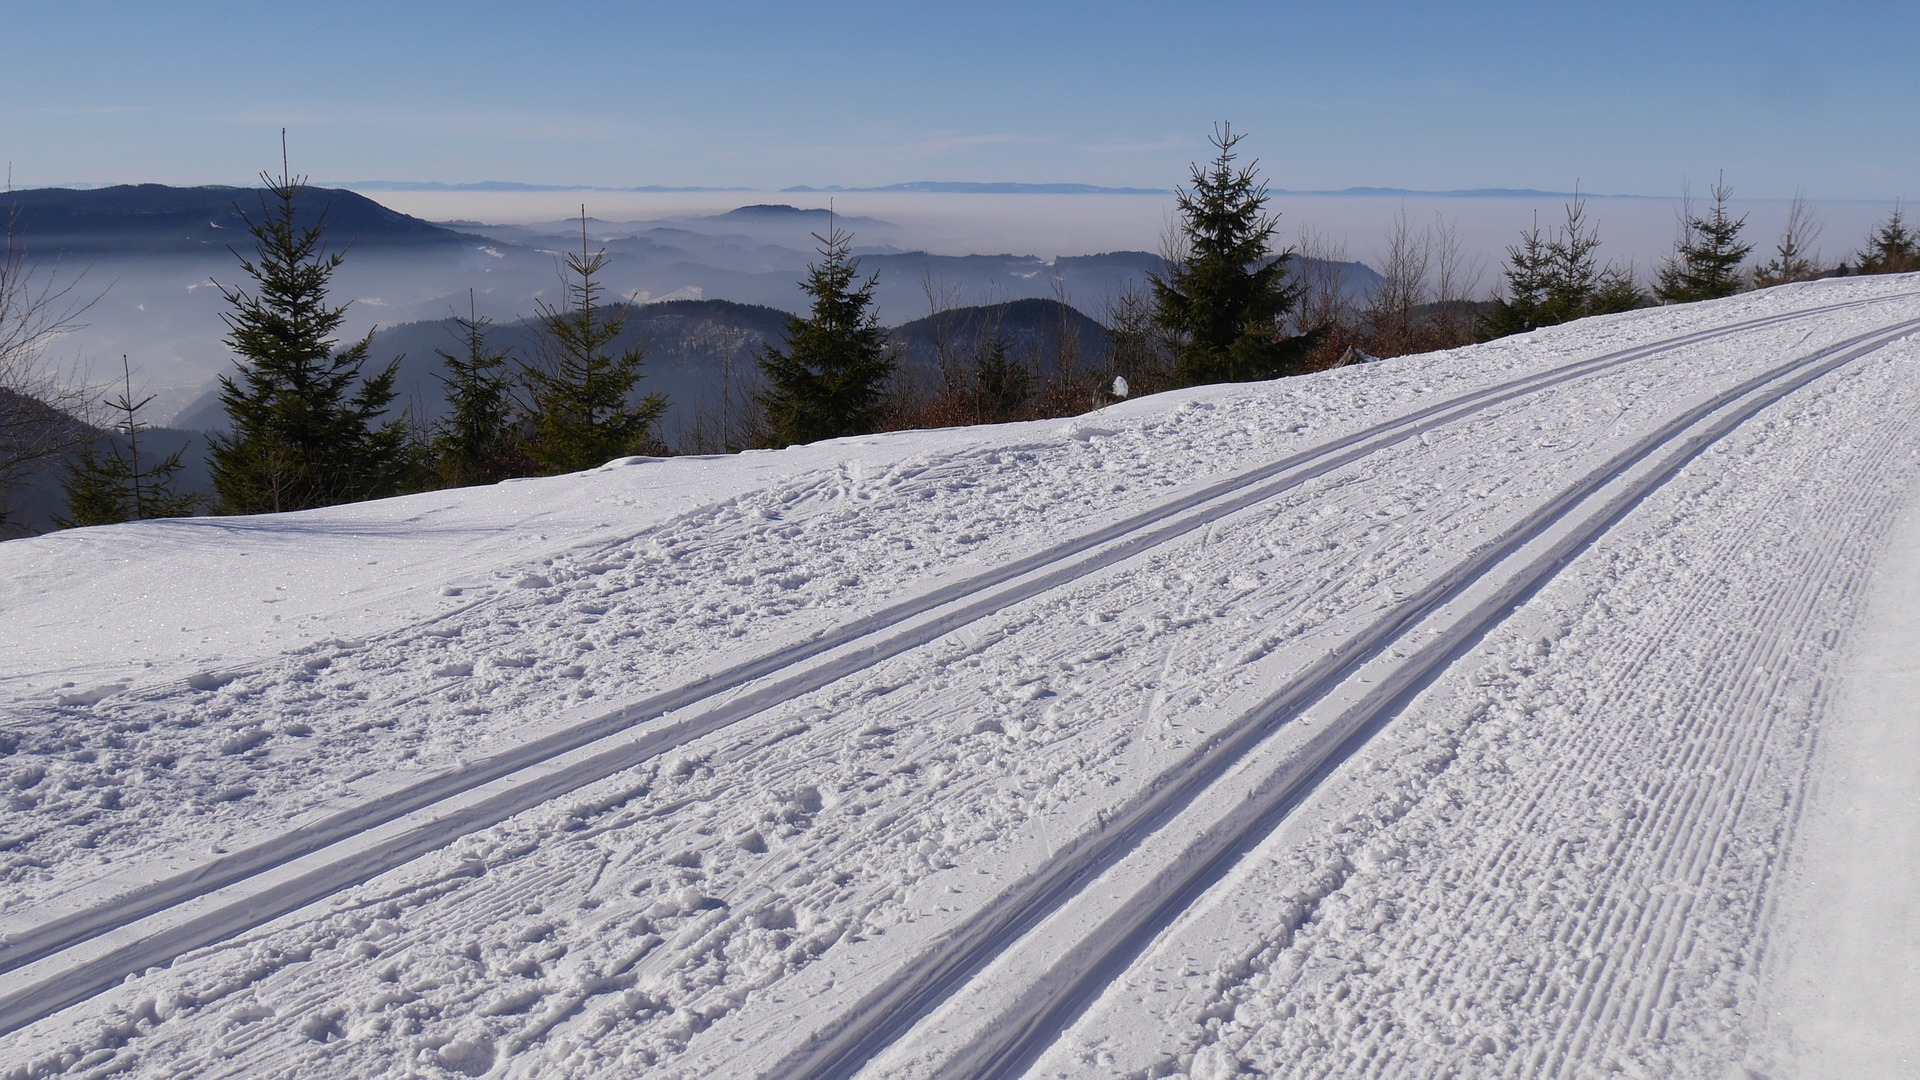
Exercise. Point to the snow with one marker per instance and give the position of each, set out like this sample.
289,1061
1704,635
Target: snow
1846,1001
1531,709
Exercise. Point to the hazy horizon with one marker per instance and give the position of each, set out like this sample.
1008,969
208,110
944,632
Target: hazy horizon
179,364
1637,229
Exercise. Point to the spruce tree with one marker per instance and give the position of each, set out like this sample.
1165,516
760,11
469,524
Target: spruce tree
1573,274
1892,249
1705,263
307,427
1616,291
1522,305
1002,385
117,487
1558,278
1225,300
830,379
475,443
583,414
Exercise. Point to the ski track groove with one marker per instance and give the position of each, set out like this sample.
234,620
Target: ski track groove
1663,811
1412,423
1020,1042
1764,648
1598,923
1747,725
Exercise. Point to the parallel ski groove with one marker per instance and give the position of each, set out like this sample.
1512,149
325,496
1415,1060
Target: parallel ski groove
1026,1031
1501,874
1706,813
31,998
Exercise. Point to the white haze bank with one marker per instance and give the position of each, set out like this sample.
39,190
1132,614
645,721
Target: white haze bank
1532,709
1634,231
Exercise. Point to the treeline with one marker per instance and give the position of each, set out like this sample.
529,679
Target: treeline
1556,277
312,422
1427,299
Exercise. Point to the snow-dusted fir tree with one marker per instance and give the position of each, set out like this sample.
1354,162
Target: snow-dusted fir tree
1706,259
583,413
307,428
1226,295
1577,284
831,378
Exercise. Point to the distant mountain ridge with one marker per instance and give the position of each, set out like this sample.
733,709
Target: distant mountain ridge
508,186
1461,193
127,218
957,187
969,187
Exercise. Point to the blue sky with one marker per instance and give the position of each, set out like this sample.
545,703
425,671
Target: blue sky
1624,97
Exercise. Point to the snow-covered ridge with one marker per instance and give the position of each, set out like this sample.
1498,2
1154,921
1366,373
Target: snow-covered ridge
850,755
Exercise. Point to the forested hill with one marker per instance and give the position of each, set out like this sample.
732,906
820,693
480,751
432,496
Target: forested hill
156,219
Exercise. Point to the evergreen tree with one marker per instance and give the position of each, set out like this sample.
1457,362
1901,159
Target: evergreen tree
1573,273
1522,305
1226,298
306,424
1558,278
476,442
830,379
1705,264
1616,291
1002,384
583,414
1892,249
114,488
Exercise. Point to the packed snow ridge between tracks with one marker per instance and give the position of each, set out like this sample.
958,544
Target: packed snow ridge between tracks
1540,708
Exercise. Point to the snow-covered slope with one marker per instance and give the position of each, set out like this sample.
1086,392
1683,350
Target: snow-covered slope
1498,712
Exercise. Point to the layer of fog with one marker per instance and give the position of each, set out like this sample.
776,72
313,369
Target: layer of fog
166,318
1639,231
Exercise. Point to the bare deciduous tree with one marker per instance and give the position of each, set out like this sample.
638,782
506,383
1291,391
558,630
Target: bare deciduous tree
735,419
1425,299
1393,313
1456,285
943,296
42,408
1323,300
1135,351
1794,258
1071,387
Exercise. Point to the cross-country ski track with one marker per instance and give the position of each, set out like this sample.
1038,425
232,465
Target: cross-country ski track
1452,715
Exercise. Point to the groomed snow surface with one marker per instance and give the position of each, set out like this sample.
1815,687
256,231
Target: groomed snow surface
1542,708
